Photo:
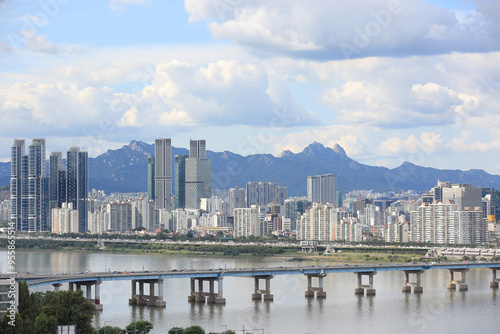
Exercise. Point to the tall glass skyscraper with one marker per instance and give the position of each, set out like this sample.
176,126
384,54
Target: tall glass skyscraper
77,184
180,181
198,176
151,178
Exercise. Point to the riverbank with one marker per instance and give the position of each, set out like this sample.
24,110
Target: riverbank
265,252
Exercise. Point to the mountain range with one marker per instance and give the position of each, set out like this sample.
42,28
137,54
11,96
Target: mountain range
125,170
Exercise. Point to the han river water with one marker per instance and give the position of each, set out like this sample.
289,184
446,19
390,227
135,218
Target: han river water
437,310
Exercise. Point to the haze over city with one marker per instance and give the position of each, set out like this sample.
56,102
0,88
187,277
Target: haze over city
392,81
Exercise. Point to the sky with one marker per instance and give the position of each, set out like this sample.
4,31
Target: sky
388,80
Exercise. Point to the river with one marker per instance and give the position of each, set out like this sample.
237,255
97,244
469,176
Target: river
437,310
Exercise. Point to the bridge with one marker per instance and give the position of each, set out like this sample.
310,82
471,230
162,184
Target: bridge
198,277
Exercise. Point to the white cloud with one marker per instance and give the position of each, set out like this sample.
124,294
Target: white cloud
221,93
352,138
40,43
428,143
4,47
325,30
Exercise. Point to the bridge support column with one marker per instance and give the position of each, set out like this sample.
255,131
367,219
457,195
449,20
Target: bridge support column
417,288
453,282
88,292
258,293
360,290
495,280
97,296
57,286
211,297
149,300
319,290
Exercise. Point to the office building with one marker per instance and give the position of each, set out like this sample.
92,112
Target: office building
180,181
322,188
55,189
464,195
151,177
77,184
294,208
198,175
163,173
197,149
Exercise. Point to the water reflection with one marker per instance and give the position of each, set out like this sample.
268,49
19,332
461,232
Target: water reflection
436,310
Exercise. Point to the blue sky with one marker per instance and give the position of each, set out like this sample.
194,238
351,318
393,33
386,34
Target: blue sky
388,80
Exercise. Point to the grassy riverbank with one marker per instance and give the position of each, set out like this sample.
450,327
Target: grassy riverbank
343,255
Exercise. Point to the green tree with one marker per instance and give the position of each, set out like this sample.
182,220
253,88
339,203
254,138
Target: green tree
69,307
45,324
110,330
194,330
176,330
142,327
5,328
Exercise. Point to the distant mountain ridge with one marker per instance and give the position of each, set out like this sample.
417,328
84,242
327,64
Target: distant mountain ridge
125,170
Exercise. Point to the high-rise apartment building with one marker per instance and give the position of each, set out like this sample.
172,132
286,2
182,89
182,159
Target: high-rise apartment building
38,196
263,193
29,187
237,198
246,221
315,223
446,223
55,179
163,173
322,188
77,184
19,186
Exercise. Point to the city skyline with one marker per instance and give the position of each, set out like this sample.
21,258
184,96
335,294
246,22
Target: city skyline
392,81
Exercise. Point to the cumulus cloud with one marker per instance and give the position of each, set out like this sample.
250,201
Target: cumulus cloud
428,143
221,93
224,93
324,31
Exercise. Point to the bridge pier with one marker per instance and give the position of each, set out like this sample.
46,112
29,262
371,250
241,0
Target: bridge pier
453,282
495,280
211,297
360,290
57,286
148,300
258,293
416,285
310,289
88,291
